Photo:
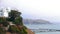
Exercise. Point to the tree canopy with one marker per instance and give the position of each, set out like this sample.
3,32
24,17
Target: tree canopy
15,17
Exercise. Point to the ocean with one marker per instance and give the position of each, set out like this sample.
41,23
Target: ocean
44,28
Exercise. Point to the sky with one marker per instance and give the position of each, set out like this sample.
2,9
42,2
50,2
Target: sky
36,9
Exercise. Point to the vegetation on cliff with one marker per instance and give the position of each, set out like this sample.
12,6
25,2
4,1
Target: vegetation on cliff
13,23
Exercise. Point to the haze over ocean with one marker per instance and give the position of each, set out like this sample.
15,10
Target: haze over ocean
36,9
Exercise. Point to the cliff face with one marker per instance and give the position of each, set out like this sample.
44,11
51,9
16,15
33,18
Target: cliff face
29,32
13,24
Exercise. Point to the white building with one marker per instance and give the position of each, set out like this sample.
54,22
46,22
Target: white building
4,12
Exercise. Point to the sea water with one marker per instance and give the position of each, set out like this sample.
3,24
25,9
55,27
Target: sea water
44,26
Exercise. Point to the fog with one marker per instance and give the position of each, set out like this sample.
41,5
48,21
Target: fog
36,9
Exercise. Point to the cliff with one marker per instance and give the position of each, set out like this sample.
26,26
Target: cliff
29,32
13,24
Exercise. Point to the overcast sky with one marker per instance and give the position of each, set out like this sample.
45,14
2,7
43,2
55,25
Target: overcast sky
36,9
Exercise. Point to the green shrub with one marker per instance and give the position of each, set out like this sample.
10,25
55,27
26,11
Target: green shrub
18,21
24,31
3,21
2,31
13,29
24,27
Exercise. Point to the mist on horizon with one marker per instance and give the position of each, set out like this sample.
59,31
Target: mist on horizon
36,9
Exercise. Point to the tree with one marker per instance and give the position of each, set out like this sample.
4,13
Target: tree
15,17
14,14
